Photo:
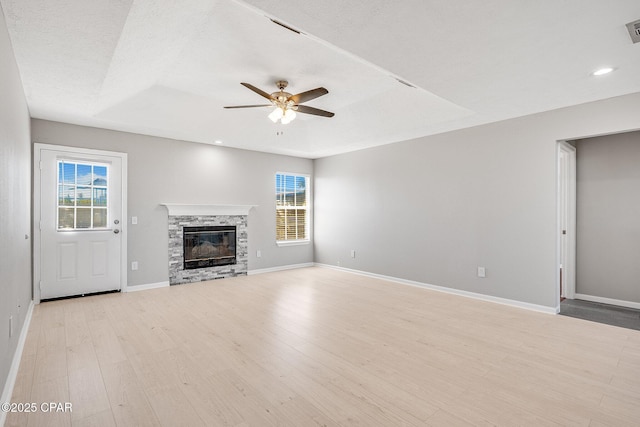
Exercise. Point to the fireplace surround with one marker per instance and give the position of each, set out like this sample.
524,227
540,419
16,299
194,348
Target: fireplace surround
216,217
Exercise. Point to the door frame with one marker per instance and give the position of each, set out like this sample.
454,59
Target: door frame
566,199
37,239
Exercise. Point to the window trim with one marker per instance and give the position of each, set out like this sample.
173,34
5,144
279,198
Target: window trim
299,242
308,209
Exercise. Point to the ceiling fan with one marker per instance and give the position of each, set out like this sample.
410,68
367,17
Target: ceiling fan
287,104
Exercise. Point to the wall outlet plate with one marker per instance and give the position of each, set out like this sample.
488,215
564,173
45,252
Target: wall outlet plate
482,272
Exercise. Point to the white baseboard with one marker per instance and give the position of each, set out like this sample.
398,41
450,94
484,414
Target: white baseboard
281,268
611,301
15,363
147,286
474,295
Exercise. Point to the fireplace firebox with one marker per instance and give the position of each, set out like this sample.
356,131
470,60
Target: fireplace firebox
208,246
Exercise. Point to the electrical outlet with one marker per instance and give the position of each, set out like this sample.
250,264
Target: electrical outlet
353,253
134,265
482,272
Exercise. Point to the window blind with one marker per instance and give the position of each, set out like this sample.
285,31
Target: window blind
292,215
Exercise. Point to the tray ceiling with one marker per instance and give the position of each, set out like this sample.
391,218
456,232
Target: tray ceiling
166,68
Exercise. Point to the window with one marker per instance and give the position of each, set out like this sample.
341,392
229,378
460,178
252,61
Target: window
82,195
292,207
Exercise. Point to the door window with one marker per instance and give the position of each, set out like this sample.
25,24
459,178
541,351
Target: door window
82,195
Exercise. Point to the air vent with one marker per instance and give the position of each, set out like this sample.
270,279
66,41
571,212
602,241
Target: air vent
285,26
634,30
405,83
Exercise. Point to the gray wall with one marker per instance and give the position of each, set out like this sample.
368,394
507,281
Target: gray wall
15,203
434,209
169,171
608,217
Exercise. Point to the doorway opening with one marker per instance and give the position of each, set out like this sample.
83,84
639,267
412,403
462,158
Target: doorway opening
598,204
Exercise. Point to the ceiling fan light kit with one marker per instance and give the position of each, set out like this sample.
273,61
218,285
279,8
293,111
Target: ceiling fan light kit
276,115
287,104
288,117
284,114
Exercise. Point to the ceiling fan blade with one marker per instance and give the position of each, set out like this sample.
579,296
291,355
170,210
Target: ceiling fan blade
308,95
315,111
249,106
256,90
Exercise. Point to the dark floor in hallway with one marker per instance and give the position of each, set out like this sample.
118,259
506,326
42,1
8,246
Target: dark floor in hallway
601,313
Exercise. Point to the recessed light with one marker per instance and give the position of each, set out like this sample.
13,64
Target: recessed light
217,141
602,71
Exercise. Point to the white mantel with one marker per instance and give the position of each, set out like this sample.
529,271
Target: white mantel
177,209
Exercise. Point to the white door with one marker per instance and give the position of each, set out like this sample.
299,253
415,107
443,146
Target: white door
567,219
80,222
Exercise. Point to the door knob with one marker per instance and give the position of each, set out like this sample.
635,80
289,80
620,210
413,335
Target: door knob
116,231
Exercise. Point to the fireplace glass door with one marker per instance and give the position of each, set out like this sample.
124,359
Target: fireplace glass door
209,246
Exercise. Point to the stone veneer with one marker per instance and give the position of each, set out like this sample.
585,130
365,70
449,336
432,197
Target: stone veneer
177,273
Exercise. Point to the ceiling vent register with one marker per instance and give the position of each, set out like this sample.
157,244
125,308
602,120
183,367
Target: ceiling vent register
634,30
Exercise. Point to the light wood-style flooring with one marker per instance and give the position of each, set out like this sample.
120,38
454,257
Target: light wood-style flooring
320,347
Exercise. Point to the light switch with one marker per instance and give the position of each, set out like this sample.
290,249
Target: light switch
134,220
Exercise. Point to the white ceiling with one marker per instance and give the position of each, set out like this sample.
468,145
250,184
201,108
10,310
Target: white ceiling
166,68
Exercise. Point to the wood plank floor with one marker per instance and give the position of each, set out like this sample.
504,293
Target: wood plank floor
321,347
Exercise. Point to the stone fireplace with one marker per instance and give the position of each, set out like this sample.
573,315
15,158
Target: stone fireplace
207,242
